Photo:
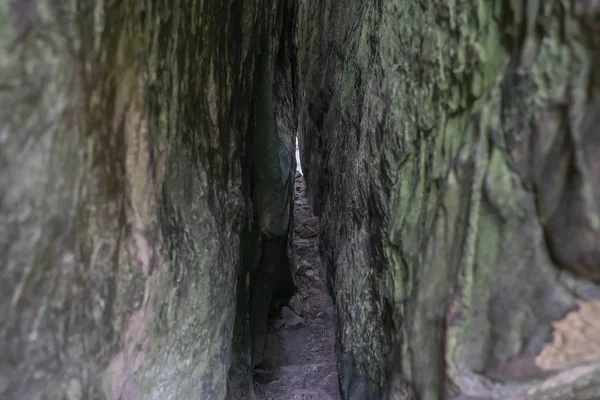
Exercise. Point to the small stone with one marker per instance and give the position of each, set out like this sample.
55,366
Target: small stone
307,232
296,304
278,324
314,278
309,272
305,222
290,318
312,221
302,268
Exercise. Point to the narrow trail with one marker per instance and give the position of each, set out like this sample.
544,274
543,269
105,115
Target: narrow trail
300,361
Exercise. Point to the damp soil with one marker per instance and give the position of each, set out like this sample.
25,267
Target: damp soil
300,360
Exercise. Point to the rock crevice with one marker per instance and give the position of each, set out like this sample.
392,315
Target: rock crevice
147,166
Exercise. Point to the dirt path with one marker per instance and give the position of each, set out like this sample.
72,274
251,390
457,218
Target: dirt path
300,361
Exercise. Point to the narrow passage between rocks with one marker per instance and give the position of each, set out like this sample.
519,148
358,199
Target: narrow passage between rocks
299,361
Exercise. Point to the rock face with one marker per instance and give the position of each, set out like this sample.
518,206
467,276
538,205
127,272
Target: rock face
146,167
146,175
451,151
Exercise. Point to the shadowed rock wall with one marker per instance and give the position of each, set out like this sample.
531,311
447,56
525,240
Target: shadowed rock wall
451,150
146,167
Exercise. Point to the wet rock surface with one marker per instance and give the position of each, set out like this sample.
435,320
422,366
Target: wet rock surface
301,361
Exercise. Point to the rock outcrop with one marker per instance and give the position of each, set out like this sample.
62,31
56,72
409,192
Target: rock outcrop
147,168
451,151
147,164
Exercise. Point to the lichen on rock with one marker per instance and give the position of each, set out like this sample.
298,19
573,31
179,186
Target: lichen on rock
447,148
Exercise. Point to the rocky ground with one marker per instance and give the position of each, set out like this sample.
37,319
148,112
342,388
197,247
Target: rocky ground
299,359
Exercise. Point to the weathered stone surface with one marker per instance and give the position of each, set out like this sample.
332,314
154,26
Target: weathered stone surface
147,168
451,151
146,158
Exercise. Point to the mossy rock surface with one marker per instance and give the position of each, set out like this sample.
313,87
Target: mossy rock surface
448,148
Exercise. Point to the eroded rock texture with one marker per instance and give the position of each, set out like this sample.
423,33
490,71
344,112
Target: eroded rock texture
146,167
451,149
